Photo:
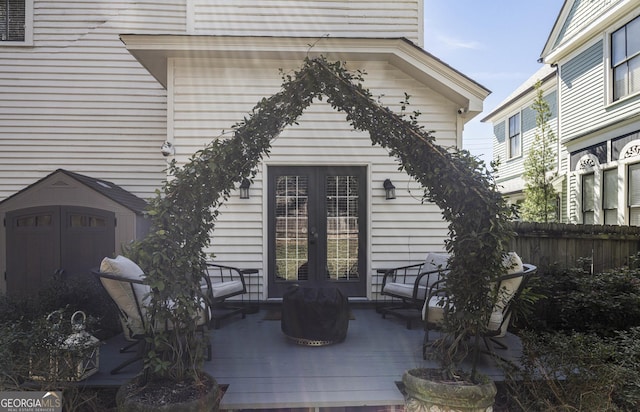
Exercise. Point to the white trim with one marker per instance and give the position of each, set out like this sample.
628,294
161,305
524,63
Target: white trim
153,52
170,106
190,16
592,30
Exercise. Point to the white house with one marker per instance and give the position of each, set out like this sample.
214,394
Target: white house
514,130
595,50
98,87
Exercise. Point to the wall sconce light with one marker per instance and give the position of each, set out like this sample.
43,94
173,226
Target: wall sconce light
244,189
389,189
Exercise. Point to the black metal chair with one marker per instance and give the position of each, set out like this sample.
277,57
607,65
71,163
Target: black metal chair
510,286
221,283
408,286
127,289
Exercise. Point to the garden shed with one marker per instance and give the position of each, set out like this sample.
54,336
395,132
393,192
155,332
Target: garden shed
64,224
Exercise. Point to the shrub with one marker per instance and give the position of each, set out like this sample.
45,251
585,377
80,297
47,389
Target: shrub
578,372
576,300
77,293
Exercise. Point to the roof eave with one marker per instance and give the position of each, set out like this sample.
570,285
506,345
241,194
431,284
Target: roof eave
154,51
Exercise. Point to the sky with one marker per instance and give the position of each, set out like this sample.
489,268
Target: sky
496,43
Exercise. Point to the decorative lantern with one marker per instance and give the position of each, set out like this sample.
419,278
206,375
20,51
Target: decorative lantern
81,350
71,358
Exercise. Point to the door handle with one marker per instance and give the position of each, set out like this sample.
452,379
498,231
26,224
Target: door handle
313,235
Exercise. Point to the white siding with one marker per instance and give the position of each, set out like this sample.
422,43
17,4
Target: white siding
209,97
582,90
78,100
344,18
582,14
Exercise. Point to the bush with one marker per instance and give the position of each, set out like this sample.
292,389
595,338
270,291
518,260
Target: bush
76,293
577,300
578,372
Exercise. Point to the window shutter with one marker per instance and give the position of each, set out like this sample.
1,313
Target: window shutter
634,185
610,189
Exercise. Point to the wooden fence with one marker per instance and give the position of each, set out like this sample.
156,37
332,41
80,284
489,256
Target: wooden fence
543,244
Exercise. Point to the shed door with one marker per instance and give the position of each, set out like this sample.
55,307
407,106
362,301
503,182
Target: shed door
43,240
317,230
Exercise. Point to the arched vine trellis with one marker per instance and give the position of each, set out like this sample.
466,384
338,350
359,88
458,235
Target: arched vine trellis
184,212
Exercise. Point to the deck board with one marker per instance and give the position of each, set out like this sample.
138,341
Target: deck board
265,370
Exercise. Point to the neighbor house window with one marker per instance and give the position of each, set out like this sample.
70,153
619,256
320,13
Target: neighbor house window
625,59
634,194
515,143
588,204
16,19
610,196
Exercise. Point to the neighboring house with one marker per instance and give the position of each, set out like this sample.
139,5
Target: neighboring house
97,87
595,48
514,130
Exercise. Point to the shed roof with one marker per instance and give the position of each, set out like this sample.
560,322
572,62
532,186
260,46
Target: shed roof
104,187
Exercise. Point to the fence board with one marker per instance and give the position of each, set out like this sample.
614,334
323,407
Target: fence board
544,244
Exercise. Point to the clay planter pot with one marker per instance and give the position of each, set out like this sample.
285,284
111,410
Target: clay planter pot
426,392
169,396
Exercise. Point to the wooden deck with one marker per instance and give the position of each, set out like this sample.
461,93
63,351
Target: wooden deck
265,370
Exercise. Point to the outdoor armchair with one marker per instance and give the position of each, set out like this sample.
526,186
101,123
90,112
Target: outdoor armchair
223,282
509,286
408,286
123,281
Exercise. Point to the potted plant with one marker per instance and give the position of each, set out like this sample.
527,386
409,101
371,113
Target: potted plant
479,236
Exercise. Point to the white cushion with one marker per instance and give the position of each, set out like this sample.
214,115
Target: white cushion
508,288
204,314
436,309
222,289
512,264
433,262
121,292
404,290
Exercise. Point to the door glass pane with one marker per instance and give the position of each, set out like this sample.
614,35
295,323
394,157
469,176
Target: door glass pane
291,216
342,227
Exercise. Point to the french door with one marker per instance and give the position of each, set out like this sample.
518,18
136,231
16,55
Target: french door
317,228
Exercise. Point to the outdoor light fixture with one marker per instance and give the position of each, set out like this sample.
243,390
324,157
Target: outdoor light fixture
167,149
389,189
244,189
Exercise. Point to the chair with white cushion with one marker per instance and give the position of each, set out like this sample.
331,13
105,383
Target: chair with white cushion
408,286
124,281
221,283
509,285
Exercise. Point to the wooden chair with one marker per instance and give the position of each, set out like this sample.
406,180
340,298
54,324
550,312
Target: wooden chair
408,286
